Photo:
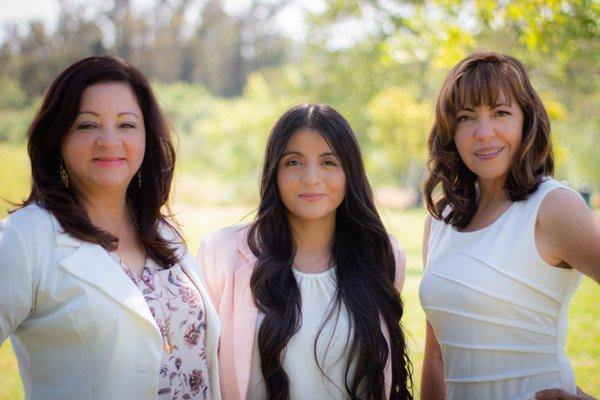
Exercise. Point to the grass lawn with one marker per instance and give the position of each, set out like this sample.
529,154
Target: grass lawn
583,345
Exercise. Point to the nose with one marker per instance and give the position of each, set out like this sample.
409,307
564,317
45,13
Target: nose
485,128
311,175
108,138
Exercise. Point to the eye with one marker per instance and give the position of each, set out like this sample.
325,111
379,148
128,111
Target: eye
502,113
87,125
463,118
128,125
331,163
293,162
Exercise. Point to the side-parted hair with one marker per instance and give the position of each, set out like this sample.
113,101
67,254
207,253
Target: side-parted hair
53,120
477,80
361,251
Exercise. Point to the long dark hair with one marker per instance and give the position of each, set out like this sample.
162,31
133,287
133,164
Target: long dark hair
52,122
361,251
480,79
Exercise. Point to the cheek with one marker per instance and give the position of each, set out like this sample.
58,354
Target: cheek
285,185
462,144
72,149
337,185
137,146
517,136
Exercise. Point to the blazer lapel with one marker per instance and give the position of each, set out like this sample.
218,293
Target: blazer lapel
91,263
245,314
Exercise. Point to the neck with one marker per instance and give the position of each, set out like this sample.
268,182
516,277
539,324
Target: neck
313,240
109,213
492,191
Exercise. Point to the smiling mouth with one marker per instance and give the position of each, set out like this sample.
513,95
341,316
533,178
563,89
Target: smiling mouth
109,161
311,196
488,153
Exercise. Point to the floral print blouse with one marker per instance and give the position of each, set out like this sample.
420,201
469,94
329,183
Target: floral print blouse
178,309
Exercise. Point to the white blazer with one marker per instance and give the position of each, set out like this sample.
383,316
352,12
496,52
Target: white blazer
80,327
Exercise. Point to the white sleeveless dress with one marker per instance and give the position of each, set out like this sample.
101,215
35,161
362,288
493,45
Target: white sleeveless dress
499,312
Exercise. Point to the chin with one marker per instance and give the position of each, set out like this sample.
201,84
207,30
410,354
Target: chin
491,173
312,215
113,182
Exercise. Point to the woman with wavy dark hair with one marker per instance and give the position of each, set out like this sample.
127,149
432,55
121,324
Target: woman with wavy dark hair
505,245
308,294
97,289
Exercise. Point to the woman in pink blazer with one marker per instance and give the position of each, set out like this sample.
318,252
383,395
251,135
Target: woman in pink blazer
308,293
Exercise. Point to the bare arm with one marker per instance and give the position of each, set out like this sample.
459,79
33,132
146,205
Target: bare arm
568,235
558,394
432,376
568,232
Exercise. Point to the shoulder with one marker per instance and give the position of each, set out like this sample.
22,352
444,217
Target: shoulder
427,224
400,262
562,205
399,253
547,186
31,222
231,234
226,247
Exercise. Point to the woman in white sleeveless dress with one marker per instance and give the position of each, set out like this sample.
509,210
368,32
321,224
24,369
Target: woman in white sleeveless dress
507,244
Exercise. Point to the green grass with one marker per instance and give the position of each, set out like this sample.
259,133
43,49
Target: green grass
583,345
14,175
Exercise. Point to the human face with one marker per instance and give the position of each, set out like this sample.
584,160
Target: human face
310,178
104,147
488,138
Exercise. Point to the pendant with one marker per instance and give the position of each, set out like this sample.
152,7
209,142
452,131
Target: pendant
168,346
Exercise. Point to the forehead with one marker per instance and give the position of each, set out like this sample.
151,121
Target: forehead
307,141
114,95
485,84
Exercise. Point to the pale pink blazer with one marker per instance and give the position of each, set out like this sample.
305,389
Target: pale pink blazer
226,264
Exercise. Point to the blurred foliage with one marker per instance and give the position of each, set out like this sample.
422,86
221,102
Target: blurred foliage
223,79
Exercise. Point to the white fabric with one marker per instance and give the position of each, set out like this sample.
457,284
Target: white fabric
307,382
79,326
497,309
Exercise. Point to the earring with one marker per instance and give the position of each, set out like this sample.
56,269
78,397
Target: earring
139,174
64,177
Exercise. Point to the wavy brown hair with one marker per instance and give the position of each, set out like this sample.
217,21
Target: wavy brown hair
365,269
51,123
480,79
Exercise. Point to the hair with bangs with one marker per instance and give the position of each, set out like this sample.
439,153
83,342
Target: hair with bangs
482,79
148,200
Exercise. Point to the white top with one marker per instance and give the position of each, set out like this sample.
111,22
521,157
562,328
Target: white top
497,309
307,382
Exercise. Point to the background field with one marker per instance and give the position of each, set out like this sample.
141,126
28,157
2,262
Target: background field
584,333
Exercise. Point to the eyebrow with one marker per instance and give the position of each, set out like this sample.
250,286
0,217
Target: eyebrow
297,153
118,115
473,110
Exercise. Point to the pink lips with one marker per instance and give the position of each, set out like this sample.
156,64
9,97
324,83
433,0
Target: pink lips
488,153
311,196
108,162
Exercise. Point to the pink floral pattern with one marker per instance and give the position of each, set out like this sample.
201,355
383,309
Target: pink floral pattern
178,310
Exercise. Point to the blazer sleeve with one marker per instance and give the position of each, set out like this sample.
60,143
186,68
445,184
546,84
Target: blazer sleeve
16,281
400,258
208,270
